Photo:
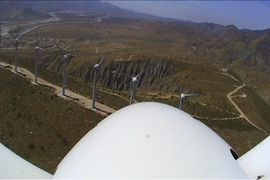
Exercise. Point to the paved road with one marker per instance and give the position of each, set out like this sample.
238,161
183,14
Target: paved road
72,96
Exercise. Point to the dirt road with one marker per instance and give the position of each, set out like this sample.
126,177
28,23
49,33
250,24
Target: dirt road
242,114
72,96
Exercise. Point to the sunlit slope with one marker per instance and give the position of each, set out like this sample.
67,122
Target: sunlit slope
38,125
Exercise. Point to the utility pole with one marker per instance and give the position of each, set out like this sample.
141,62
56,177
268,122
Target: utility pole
96,69
134,83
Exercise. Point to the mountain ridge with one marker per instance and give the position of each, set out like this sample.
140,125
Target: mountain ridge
232,45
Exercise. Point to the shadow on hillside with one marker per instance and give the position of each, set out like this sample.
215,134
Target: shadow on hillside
21,74
105,112
72,98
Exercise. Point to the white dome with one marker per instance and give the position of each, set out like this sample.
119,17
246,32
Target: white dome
150,140
256,161
13,166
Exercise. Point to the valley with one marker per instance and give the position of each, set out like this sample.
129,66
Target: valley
220,63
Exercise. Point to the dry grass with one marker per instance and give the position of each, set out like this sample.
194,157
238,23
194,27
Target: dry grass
37,125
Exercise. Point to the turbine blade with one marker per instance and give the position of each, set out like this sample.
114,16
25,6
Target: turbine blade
37,41
12,35
101,61
138,75
192,94
42,50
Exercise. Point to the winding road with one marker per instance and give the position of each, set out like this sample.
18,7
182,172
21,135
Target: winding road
242,114
231,95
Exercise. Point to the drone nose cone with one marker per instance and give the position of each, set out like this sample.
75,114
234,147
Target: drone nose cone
150,140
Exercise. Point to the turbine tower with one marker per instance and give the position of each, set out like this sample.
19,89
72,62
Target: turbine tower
134,83
67,57
1,35
16,50
113,78
38,49
96,68
183,97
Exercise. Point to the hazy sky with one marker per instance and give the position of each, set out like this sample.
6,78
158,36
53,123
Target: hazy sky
243,14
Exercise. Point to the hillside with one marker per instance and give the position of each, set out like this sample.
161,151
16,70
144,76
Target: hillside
172,56
38,125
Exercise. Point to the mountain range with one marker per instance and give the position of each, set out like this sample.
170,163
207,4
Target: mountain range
226,43
14,10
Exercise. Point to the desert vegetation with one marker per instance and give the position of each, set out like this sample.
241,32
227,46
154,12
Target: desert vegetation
173,58
38,125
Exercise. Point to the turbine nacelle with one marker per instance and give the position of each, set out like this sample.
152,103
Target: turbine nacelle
39,49
135,78
68,56
96,66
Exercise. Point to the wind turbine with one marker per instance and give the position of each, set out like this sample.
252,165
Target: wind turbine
113,78
183,96
96,68
1,35
67,57
38,49
16,38
134,83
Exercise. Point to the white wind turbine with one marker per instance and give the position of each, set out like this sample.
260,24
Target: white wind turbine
67,58
114,72
183,97
1,35
16,38
38,49
96,69
134,83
